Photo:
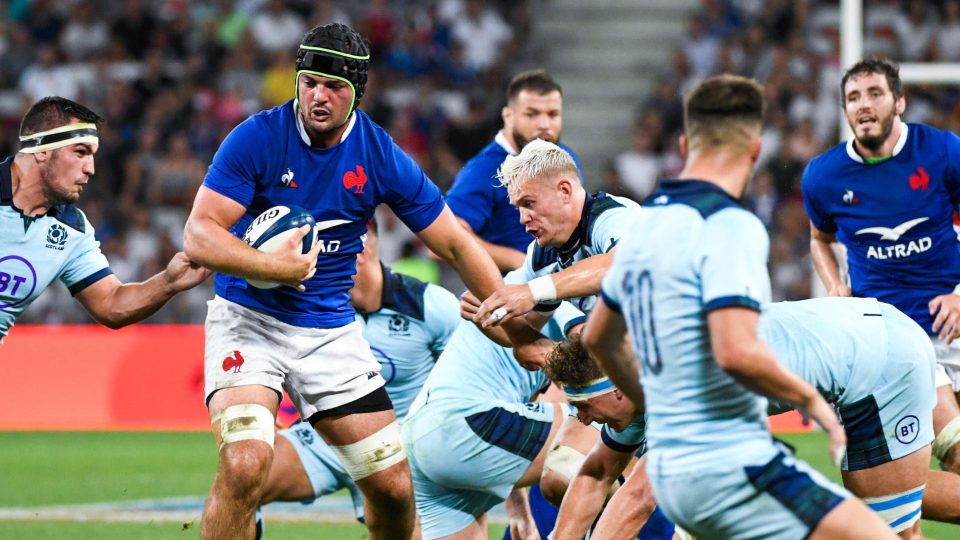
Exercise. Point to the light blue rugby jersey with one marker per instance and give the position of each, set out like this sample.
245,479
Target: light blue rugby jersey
698,250
36,251
408,333
606,219
838,345
473,371
267,160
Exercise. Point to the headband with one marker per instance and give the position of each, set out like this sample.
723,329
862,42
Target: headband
82,132
590,389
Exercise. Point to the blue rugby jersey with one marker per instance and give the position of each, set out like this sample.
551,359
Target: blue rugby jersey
267,160
408,333
35,251
895,217
698,250
477,197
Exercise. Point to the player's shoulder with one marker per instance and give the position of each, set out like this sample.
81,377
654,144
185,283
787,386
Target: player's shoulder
705,198
483,166
836,155
404,294
371,134
71,216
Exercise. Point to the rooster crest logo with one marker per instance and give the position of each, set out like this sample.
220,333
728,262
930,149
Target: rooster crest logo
355,180
233,362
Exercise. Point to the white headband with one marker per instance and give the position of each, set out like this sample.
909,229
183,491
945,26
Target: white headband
82,132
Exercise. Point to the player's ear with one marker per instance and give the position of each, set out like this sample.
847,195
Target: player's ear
506,114
901,105
684,147
755,150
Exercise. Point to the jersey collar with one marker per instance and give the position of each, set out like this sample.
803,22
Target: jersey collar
501,139
901,142
303,132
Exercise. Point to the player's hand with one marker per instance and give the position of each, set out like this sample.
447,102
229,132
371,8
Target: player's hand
292,266
469,306
840,290
823,414
183,274
504,304
946,324
524,528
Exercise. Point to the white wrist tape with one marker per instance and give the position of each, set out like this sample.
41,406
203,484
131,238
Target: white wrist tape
956,290
543,289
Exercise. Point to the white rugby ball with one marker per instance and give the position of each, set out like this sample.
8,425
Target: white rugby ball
273,227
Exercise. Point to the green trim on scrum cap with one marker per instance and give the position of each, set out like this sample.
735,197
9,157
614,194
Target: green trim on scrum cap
338,53
353,90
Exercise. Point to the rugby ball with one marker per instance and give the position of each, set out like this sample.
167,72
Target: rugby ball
273,227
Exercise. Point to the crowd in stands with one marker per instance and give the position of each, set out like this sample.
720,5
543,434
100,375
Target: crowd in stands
792,48
173,77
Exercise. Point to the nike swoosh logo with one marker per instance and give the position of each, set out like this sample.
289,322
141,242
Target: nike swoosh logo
331,223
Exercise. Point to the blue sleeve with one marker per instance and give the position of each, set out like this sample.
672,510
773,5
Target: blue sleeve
442,316
952,179
734,247
471,195
237,165
413,197
820,218
632,440
86,264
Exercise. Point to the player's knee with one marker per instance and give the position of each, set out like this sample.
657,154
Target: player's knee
559,469
246,448
245,469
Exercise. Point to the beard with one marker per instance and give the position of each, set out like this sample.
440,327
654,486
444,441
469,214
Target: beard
523,141
48,185
874,142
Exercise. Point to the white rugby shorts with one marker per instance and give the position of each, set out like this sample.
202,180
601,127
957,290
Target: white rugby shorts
320,368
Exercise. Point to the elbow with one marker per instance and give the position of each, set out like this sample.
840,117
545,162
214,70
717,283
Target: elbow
731,359
191,246
112,321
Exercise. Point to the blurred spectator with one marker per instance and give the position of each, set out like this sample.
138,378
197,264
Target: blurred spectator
276,29
47,78
482,33
85,34
639,167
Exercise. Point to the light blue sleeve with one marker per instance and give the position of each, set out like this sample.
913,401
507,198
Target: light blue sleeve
87,264
564,318
613,225
734,248
441,312
632,440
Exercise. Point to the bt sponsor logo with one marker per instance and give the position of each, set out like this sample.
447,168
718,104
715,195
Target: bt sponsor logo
18,280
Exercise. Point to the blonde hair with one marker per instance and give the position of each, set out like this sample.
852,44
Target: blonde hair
539,160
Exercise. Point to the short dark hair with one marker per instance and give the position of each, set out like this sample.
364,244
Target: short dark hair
723,110
53,112
876,64
570,364
536,80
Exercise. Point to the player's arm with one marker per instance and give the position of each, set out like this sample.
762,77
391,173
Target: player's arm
581,279
629,508
455,245
115,304
605,336
207,240
506,258
825,262
588,491
740,353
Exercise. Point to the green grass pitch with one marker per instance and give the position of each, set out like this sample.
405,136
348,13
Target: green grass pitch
41,469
